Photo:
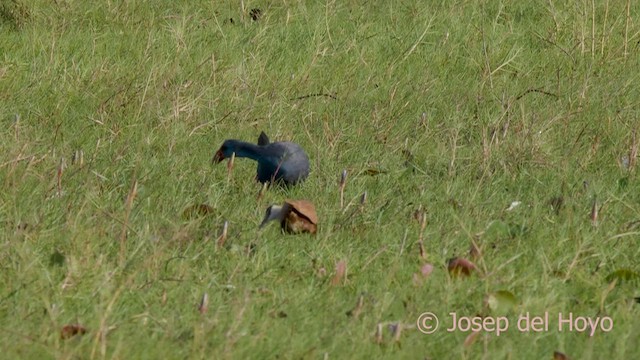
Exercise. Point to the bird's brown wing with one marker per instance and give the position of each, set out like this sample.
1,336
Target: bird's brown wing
305,209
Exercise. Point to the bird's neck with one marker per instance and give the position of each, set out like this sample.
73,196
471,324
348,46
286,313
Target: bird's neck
247,150
275,212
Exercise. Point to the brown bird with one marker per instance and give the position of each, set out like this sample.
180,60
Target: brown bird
295,216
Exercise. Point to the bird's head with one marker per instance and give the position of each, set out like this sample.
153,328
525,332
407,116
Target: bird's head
224,152
274,212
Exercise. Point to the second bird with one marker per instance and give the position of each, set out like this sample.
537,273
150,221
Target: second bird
281,162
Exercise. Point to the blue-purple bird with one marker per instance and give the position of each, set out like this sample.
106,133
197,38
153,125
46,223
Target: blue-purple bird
278,162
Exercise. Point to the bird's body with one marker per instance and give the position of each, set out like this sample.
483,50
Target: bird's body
295,216
284,162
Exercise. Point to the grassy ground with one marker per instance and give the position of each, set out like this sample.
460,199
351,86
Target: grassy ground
112,110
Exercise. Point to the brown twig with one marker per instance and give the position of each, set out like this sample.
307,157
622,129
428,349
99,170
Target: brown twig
537,91
423,224
594,212
314,95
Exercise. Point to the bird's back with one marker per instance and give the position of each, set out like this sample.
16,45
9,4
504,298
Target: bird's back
285,161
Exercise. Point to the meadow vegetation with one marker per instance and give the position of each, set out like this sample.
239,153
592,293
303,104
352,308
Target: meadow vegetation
442,111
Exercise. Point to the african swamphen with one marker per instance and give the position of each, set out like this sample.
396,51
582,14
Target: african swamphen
280,162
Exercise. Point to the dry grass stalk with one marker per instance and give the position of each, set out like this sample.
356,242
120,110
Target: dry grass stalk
378,335
633,151
341,271
125,225
423,224
204,304
230,165
594,212
61,167
223,236
343,183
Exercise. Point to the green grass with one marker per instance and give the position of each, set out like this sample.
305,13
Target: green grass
464,106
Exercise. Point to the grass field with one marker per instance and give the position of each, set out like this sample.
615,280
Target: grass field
442,111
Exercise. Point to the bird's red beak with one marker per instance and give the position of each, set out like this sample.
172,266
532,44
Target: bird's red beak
218,157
